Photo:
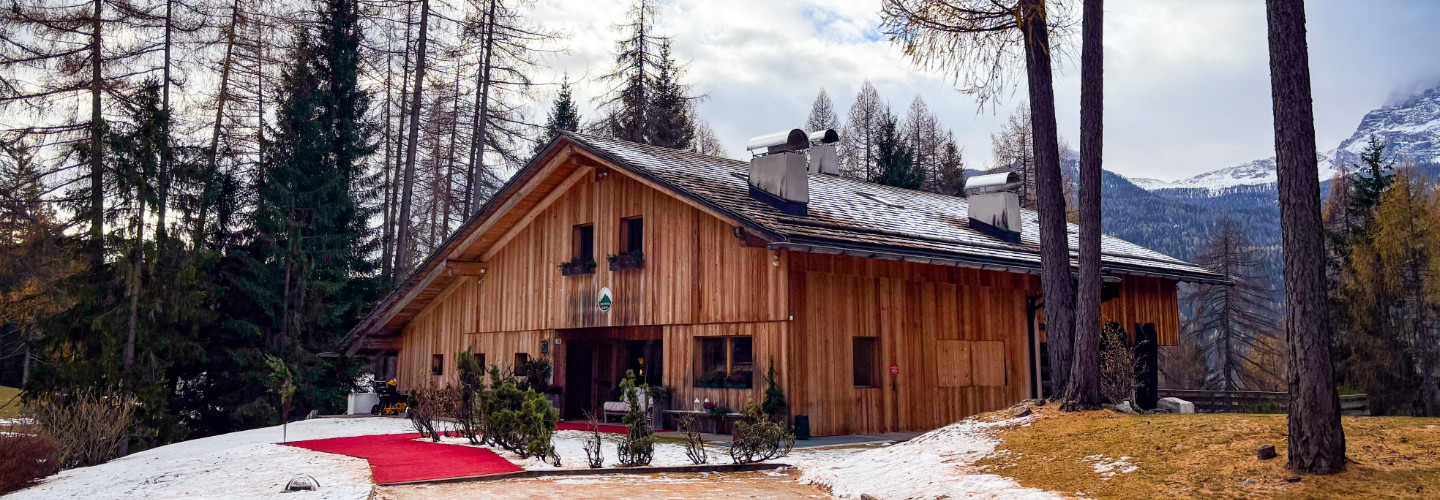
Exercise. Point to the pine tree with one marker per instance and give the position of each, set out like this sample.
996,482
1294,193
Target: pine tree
895,159
1372,175
637,62
307,266
670,123
1390,292
950,168
564,116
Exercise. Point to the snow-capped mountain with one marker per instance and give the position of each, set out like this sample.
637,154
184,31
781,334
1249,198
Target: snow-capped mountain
1409,128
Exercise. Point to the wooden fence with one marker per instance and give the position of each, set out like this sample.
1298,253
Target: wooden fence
1255,401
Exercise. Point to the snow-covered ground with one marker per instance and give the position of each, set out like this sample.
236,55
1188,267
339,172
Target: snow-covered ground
570,445
938,464
247,464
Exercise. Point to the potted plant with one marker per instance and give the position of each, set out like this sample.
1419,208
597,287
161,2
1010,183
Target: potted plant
740,379
714,380
630,259
577,266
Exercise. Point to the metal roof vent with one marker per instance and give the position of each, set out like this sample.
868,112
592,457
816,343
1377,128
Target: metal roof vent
994,205
778,175
823,157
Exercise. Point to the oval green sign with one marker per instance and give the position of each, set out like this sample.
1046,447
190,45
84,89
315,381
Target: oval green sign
606,300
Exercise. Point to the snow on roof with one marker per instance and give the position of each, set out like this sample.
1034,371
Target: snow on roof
851,212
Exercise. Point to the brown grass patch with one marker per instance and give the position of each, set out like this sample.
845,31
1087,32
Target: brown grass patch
1213,456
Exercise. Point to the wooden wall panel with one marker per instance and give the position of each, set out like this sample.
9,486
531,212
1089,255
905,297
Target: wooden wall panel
695,269
914,309
1141,300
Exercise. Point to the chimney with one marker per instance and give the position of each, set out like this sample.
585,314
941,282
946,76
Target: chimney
778,174
994,205
823,158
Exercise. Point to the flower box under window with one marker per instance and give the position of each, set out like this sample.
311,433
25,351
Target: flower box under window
577,266
625,261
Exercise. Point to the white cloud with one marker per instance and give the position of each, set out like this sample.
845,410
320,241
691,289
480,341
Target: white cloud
1187,83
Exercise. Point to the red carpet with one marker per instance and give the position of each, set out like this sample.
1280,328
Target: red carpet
398,457
576,426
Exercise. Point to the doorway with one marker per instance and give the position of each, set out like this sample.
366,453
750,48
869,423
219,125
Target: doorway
596,360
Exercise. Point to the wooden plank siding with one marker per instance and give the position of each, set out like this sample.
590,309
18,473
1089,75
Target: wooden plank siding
696,273
914,309
1142,300
958,336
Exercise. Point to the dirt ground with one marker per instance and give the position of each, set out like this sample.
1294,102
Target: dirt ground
1212,456
697,486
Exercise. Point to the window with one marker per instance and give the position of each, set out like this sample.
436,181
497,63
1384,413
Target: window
724,362
437,364
632,245
520,359
867,361
632,235
584,243
582,251
480,359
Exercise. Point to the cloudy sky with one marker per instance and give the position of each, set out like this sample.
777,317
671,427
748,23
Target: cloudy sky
1186,81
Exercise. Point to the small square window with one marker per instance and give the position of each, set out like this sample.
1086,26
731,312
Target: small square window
866,362
520,359
437,364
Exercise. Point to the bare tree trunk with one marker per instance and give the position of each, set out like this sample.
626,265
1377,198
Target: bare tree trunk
197,236
133,285
1316,440
162,199
97,147
406,247
482,103
1084,389
388,174
1055,277
450,153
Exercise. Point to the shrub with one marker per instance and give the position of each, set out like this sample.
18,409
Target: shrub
593,456
774,403
1117,364
638,445
472,386
26,458
428,404
694,442
87,426
522,422
756,438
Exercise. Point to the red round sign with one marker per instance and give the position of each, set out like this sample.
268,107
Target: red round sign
894,369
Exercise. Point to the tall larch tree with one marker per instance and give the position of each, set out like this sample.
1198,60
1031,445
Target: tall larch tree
1233,325
1084,389
626,105
984,45
857,141
822,114
1316,439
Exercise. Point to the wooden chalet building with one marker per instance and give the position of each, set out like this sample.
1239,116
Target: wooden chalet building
880,309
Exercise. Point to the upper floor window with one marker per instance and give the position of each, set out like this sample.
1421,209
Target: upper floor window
582,251
632,245
437,364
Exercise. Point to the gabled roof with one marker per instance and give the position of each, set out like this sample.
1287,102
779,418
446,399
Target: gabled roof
844,216
861,217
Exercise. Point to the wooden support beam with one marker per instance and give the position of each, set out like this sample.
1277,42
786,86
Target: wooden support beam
579,174
457,268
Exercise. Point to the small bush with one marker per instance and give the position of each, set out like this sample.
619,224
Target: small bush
774,404
694,442
1117,365
428,404
522,422
593,455
86,425
25,459
638,446
756,438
